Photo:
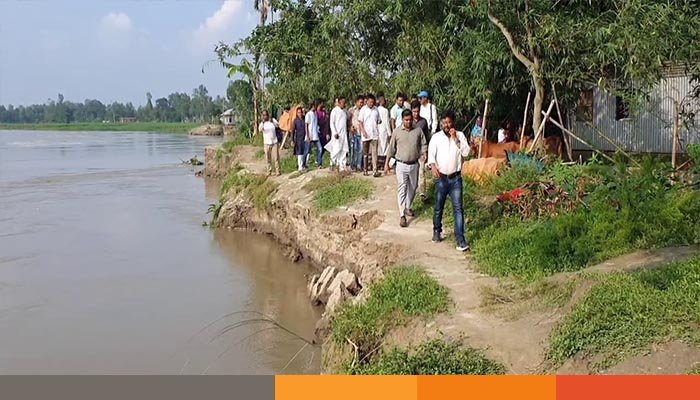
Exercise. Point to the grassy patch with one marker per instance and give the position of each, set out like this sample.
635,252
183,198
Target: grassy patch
165,127
338,190
288,164
260,154
626,313
515,299
258,187
404,293
695,370
432,358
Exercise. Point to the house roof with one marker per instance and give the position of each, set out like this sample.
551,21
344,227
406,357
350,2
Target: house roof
227,113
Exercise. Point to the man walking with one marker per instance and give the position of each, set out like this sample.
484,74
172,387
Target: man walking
313,131
422,124
397,111
270,143
369,128
338,145
445,153
407,146
301,138
356,136
384,128
428,111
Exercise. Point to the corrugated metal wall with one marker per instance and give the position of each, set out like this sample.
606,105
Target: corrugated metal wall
646,131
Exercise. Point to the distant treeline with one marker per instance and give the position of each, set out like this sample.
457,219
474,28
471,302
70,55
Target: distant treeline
176,107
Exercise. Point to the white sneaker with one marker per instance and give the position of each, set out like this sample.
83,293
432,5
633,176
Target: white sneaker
463,248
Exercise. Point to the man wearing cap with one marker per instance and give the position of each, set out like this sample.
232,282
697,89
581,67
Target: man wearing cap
428,111
407,146
446,150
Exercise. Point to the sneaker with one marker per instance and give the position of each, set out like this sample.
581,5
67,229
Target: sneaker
377,174
403,222
463,247
436,237
409,213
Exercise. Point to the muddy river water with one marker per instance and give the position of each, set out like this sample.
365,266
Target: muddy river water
105,267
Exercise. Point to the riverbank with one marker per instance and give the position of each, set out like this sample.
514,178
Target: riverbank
162,127
516,324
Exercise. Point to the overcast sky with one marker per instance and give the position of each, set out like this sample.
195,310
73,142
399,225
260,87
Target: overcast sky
114,50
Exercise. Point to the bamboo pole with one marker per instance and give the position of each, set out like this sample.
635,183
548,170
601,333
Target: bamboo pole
522,130
676,126
615,145
561,120
540,129
484,136
582,141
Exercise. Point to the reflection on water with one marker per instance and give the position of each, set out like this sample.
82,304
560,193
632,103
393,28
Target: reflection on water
105,267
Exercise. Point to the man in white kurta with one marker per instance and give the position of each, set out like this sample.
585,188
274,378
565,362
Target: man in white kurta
384,127
338,145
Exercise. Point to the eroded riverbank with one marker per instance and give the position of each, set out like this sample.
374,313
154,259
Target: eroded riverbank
364,237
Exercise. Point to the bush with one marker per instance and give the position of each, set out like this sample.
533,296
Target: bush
405,292
628,312
626,210
432,358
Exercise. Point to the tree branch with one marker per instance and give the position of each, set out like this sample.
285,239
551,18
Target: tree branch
511,42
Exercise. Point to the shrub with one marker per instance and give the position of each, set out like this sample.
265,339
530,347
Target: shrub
432,358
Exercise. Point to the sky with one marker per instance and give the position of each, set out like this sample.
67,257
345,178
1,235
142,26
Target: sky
114,50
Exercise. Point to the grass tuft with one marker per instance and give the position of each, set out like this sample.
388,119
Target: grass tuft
432,358
404,293
258,187
338,190
626,313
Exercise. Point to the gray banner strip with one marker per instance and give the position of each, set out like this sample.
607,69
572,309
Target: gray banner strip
51,387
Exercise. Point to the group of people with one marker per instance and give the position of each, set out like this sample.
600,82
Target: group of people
406,137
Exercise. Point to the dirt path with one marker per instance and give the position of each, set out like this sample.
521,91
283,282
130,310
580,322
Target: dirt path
519,343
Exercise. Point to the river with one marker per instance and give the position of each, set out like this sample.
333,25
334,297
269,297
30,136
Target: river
105,267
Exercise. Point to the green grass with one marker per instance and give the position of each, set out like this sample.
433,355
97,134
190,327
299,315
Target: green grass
338,190
258,187
404,293
432,358
168,127
695,370
626,313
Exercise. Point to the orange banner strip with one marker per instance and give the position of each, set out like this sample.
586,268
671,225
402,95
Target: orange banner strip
341,387
487,387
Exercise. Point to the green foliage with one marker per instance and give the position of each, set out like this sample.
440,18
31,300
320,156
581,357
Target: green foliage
432,358
176,107
338,190
405,292
625,210
164,127
626,313
694,154
259,188
512,177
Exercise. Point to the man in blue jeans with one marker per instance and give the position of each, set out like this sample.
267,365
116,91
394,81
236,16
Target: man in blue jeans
445,152
356,137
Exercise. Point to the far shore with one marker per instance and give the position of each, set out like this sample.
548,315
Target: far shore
166,127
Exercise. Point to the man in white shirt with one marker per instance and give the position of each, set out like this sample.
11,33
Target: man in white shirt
446,150
312,131
369,129
271,146
384,127
338,145
396,110
428,111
